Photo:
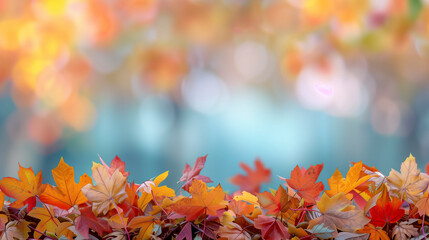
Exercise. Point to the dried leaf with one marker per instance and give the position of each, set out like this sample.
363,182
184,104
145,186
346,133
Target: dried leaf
109,191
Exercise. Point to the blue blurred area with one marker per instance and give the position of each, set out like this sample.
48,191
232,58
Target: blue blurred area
156,134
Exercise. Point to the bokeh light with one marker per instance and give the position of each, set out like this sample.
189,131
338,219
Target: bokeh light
164,81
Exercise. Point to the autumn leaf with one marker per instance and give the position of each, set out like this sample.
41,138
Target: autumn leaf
2,198
404,230
63,230
423,205
233,231
16,230
376,233
410,183
322,232
304,182
194,173
157,191
47,220
67,193
109,191
281,202
87,220
252,182
115,164
25,191
271,228
338,184
386,211
202,201
186,232
146,225
338,213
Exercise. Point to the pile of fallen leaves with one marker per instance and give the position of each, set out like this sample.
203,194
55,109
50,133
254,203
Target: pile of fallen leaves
363,205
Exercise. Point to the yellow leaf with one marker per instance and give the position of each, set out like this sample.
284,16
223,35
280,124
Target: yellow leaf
47,220
247,197
146,225
410,183
338,184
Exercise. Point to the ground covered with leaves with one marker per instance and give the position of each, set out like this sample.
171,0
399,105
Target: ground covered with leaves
365,204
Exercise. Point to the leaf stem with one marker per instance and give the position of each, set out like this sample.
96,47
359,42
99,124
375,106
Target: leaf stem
43,234
47,209
122,220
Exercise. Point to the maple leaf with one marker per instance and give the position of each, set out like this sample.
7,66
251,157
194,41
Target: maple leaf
337,212
338,184
16,230
376,233
281,202
109,191
47,220
386,211
25,191
67,193
186,232
159,192
240,208
423,205
322,231
410,183
252,182
239,205
271,228
146,225
194,173
2,198
404,230
116,163
64,231
233,231
304,182
87,220
202,201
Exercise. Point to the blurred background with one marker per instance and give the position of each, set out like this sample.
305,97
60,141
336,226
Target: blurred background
161,82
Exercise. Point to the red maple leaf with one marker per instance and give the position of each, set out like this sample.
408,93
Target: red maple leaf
252,182
194,173
304,182
386,211
87,220
271,228
116,163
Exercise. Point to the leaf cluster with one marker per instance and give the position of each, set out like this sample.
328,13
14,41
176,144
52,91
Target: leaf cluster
363,204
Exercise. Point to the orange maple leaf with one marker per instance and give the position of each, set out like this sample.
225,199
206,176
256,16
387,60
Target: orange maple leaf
47,220
376,233
252,182
202,201
304,182
67,193
280,203
354,179
25,191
